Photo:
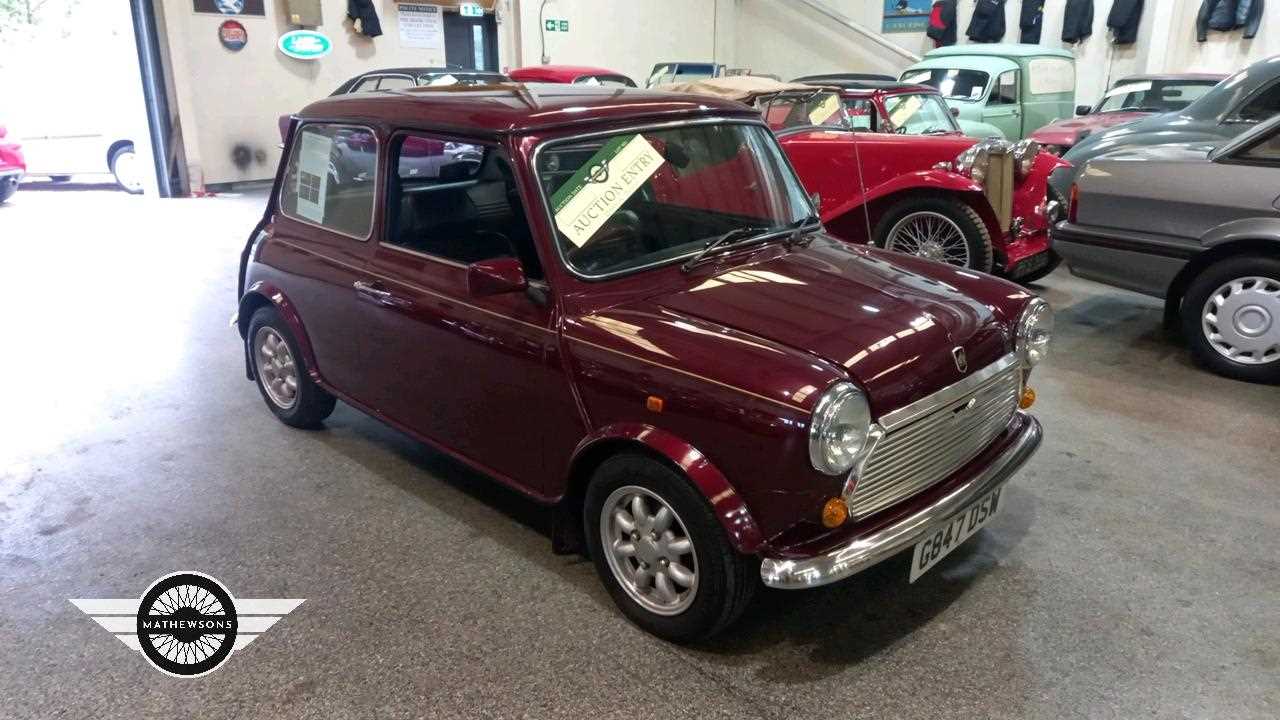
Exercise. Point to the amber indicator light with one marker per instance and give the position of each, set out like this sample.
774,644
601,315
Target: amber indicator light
834,513
653,403
1028,398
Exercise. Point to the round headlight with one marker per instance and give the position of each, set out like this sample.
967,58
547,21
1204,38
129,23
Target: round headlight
1025,153
839,430
1035,328
974,162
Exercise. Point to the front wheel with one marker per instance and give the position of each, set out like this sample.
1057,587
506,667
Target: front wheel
938,228
1231,318
125,169
661,553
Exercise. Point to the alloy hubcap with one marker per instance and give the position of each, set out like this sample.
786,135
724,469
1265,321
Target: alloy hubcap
930,235
126,171
1241,320
276,369
648,550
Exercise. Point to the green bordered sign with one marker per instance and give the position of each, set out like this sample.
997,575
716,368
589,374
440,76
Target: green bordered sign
305,44
600,187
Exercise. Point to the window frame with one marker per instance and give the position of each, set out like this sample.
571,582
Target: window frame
544,199
996,93
1233,117
377,178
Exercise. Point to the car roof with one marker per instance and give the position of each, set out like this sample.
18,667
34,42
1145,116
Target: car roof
566,69
856,84
844,79
999,49
1174,77
506,108
416,72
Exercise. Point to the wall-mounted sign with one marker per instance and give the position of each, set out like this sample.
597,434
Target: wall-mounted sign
564,26
422,26
470,9
231,7
233,35
305,44
906,15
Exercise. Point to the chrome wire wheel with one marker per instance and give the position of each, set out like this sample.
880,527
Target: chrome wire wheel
929,235
1241,320
649,550
277,370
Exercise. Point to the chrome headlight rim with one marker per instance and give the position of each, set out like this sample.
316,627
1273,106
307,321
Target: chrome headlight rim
976,159
1025,153
842,400
1031,350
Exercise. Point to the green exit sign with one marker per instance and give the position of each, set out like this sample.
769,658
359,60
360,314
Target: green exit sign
552,25
468,9
564,26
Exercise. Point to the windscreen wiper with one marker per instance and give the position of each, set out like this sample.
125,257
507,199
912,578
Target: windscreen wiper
799,227
737,233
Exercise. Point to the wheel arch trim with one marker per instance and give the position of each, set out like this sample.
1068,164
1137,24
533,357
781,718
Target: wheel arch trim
728,506
1241,237
262,294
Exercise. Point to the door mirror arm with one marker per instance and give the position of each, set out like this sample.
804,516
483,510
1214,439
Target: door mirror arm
537,294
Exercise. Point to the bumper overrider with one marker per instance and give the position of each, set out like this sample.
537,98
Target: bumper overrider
862,552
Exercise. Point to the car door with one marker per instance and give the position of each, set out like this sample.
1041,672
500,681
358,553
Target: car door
479,374
1004,109
319,242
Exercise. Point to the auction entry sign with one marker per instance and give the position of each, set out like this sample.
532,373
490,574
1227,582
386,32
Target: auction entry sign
906,15
231,7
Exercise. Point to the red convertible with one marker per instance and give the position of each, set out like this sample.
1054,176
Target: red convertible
571,74
12,166
892,169
623,306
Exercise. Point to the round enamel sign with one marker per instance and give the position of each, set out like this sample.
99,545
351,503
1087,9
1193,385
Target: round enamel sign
305,44
233,35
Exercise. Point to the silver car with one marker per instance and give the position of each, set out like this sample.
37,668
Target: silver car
1199,225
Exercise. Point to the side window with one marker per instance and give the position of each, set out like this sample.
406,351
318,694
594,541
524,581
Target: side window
457,201
1262,106
330,178
1267,151
368,84
1006,90
395,82
860,115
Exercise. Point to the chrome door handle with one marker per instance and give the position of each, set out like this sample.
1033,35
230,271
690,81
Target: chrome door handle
371,291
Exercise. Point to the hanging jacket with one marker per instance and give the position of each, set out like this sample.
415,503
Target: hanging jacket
1077,21
1032,21
942,23
365,17
1123,20
1229,15
987,25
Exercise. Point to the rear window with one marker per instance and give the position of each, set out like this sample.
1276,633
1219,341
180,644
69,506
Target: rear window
953,84
1051,75
1154,95
330,179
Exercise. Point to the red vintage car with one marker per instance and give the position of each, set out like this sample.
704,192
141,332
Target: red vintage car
627,310
1132,98
571,74
890,167
12,166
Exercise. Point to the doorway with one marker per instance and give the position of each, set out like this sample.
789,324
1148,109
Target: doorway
471,42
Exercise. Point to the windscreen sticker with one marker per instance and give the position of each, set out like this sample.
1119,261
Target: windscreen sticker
313,175
823,111
600,187
1130,88
905,109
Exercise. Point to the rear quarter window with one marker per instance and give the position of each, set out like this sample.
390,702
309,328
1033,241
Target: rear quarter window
330,180
1051,75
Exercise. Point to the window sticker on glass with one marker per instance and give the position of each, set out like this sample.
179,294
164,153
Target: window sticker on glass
823,111
313,175
599,188
976,93
1130,88
443,80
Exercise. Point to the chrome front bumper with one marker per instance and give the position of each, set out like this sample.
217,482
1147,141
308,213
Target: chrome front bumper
860,554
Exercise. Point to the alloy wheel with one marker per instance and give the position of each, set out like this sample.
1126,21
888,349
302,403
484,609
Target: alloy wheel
649,550
930,235
1241,320
277,370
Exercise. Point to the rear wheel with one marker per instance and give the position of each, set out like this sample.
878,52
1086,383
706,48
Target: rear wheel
125,168
282,375
938,228
661,553
1231,318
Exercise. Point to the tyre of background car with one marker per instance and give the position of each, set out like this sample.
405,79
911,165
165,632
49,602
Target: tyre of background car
124,154
1256,306
675,535
281,373
965,219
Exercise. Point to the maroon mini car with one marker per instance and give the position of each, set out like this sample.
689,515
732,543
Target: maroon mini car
627,310
571,74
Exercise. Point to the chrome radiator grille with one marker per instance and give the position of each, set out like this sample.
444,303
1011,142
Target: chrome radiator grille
925,451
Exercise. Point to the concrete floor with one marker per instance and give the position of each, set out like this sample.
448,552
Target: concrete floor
1133,571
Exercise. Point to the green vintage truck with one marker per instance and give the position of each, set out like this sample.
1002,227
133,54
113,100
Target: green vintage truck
1016,88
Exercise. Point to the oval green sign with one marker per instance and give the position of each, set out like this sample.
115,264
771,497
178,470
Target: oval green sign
305,44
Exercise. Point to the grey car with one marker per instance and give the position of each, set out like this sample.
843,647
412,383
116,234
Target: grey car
1232,107
1197,224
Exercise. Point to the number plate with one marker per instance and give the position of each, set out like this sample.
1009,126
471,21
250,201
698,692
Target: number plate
949,535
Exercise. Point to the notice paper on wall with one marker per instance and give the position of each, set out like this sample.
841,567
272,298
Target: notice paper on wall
313,175
600,187
422,26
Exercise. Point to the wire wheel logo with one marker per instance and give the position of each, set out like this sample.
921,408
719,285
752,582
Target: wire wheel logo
187,624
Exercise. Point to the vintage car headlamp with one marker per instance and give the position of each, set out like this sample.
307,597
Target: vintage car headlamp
1035,328
1025,153
839,429
974,162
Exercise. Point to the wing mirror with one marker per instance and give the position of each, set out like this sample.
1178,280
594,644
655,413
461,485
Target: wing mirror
1084,109
495,276
955,112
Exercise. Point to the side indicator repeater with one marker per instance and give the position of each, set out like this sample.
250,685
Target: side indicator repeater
1028,398
653,403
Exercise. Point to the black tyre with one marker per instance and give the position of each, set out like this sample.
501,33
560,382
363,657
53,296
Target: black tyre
660,551
1231,318
124,167
937,228
281,373
7,189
